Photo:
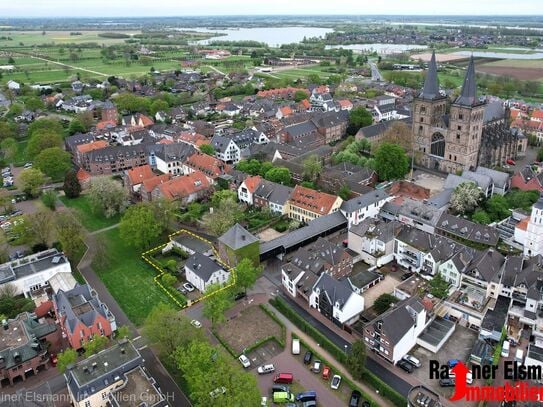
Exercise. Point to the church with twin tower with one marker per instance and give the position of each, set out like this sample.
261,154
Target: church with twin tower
464,134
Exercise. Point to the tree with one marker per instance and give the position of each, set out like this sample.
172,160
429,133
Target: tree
481,217
168,280
34,103
53,162
167,330
12,305
40,140
391,162
439,287
206,368
312,167
7,130
281,175
344,192
217,301
123,332
207,149
164,212
49,199
31,181
159,106
70,233
95,345
222,195
383,302
66,358
76,127
223,217
399,133
71,186
38,227
299,95
246,274
465,198
107,197
356,361
358,118
497,208
52,125
9,148
138,226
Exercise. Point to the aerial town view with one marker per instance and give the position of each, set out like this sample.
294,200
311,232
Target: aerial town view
252,204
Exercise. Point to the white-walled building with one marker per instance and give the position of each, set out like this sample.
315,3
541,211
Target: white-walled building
225,149
373,240
533,244
201,271
364,206
247,188
336,300
33,272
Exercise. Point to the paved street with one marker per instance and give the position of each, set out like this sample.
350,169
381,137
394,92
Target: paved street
375,74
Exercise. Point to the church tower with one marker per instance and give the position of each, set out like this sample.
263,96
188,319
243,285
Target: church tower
534,233
428,111
465,127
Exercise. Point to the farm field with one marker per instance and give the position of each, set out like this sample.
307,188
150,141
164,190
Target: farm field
517,68
29,38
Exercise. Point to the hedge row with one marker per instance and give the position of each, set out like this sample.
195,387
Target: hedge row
384,389
301,323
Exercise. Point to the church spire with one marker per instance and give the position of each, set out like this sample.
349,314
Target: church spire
431,83
468,95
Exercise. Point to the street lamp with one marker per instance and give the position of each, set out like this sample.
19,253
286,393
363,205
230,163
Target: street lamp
345,349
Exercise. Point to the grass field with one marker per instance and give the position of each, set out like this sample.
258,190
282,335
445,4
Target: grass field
85,214
20,158
127,277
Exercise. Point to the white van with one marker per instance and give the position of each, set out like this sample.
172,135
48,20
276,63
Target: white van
519,356
295,346
505,348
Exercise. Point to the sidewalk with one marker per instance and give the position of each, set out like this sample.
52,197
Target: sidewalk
291,328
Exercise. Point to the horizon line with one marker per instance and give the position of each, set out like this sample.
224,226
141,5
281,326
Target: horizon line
268,14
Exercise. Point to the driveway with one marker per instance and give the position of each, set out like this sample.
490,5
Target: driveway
386,285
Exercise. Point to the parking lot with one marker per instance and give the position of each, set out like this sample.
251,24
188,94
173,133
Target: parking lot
264,353
458,346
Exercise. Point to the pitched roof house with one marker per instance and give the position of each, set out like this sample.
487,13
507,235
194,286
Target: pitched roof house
185,189
201,272
210,166
306,204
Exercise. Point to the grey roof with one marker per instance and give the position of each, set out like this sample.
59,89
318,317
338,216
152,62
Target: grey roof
499,178
468,94
377,129
220,143
539,203
273,192
112,153
32,264
468,230
301,129
330,119
535,352
202,266
493,111
237,237
364,201
314,228
441,199
487,265
430,90
174,152
79,305
494,320
397,321
97,372
376,228
420,211
416,238
336,291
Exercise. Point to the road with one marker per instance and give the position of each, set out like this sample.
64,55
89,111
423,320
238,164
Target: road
153,365
381,371
375,74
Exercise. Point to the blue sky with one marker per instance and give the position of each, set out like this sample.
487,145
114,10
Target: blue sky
114,8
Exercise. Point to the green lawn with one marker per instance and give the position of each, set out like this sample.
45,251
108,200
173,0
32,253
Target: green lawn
88,218
127,277
20,158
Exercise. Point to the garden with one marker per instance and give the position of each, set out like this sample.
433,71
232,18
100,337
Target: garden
91,220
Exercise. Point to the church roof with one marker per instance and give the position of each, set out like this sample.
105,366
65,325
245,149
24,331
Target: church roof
430,90
468,95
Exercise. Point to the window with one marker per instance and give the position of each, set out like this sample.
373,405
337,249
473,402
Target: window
460,116
459,128
458,136
422,119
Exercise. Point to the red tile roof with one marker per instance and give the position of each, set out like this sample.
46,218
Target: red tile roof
211,166
196,139
147,121
182,187
150,183
286,111
252,183
523,224
165,141
139,174
537,114
83,175
345,103
311,200
95,145
105,124
281,92
305,104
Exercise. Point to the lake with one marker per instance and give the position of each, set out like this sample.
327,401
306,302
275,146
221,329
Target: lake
379,48
273,36
501,55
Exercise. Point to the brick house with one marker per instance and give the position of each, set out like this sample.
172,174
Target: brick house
212,167
185,189
306,204
82,315
114,159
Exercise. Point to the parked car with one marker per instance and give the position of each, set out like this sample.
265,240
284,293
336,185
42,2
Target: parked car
295,346
354,401
307,357
217,392
408,367
264,369
244,360
196,324
469,376
181,290
309,403
336,382
280,387
285,378
446,382
282,397
407,275
411,359
505,348
326,373
316,366
310,395
452,363
28,165
189,287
